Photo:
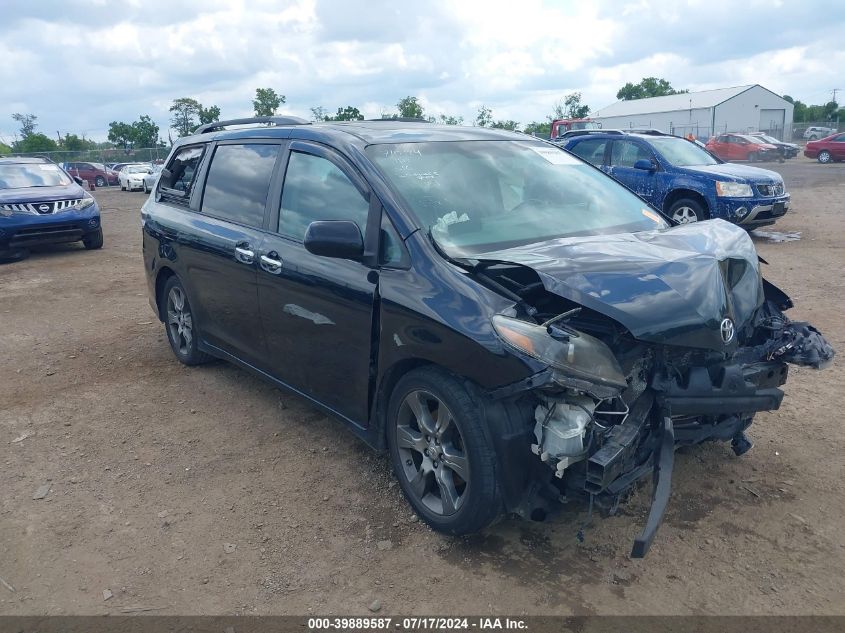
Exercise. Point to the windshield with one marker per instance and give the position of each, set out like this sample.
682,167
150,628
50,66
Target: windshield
480,196
767,138
682,153
136,169
23,175
584,125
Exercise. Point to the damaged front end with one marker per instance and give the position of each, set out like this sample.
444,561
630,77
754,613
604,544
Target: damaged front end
618,397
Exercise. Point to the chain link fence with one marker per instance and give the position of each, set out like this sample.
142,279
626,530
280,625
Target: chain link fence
101,159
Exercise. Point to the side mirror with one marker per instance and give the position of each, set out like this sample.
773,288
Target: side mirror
645,164
166,178
340,239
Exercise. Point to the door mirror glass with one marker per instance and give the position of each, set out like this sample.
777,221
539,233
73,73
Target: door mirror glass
645,164
340,239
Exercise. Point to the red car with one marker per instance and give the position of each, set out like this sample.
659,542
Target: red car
96,173
827,150
741,147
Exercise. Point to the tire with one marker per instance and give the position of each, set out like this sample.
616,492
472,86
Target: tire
687,210
93,241
13,255
753,157
122,188
182,333
454,486
824,157
99,181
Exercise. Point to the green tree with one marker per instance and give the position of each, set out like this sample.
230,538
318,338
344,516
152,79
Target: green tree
267,101
450,120
485,117
36,142
209,115
72,143
542,129
186,112
348,113
410,107
573,108
648,87
121,133
319,113
4,149
505,125
27,123
145,132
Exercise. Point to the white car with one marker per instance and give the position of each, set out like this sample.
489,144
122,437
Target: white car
132,176
151,177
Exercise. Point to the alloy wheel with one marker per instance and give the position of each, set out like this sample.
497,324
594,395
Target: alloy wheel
180,323
824,157
684,215
431,449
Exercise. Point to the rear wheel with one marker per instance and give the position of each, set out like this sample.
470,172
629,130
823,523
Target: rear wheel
687,210
824,156
441,453
182,333
93,241
100,181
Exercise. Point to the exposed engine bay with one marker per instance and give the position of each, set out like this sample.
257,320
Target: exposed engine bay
685,347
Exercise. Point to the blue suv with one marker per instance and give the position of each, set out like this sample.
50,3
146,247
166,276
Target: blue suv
683,180
41,204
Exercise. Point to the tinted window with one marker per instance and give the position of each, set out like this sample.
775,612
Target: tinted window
840,138
238,182
183,169
626,153
591,150
316,189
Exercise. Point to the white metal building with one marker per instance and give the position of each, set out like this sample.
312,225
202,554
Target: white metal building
738,109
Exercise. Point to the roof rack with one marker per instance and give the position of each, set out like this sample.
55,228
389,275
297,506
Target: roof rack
255,120
402,119
648,131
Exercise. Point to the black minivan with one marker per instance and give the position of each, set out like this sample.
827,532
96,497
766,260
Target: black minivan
513,326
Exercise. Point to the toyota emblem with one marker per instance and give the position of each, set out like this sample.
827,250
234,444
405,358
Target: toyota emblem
726,329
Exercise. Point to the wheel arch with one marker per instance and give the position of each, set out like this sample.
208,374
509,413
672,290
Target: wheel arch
163,275
384,390
678,194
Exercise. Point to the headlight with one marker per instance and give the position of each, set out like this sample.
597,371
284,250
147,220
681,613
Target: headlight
733,189
581,356
87,201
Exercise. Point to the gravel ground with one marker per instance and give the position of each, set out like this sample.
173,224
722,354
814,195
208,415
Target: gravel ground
206,491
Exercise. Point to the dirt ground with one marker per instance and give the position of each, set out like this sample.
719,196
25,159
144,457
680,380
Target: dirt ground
206,491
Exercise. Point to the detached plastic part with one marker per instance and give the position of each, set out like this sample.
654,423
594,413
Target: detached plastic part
802,344
741,444
664,461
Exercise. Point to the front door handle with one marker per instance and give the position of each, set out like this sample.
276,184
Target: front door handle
244,254
271,263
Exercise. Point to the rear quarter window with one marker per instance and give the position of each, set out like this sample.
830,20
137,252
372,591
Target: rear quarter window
183,171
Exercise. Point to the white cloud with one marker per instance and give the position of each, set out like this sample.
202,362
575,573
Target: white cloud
79,64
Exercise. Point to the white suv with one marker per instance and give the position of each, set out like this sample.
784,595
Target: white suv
814,133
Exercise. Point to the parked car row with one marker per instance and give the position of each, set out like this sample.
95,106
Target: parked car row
510,324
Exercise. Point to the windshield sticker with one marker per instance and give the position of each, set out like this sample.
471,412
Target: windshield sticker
555,156
48,168
450,218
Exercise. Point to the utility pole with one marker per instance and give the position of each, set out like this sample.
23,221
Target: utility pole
835,90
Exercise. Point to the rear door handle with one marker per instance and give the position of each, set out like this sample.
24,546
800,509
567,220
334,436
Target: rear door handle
244,254
271,263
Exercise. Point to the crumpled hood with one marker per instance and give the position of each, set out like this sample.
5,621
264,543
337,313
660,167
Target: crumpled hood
674,286
734,172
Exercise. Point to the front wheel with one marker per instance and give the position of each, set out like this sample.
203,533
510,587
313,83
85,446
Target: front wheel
824,156
182,333
100,181
687,210
93,241
442,454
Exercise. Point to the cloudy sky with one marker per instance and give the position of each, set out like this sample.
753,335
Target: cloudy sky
79,64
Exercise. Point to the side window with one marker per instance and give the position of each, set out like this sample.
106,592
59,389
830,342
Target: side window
591,150
238,182
840,138
626,153
316,189
183,169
